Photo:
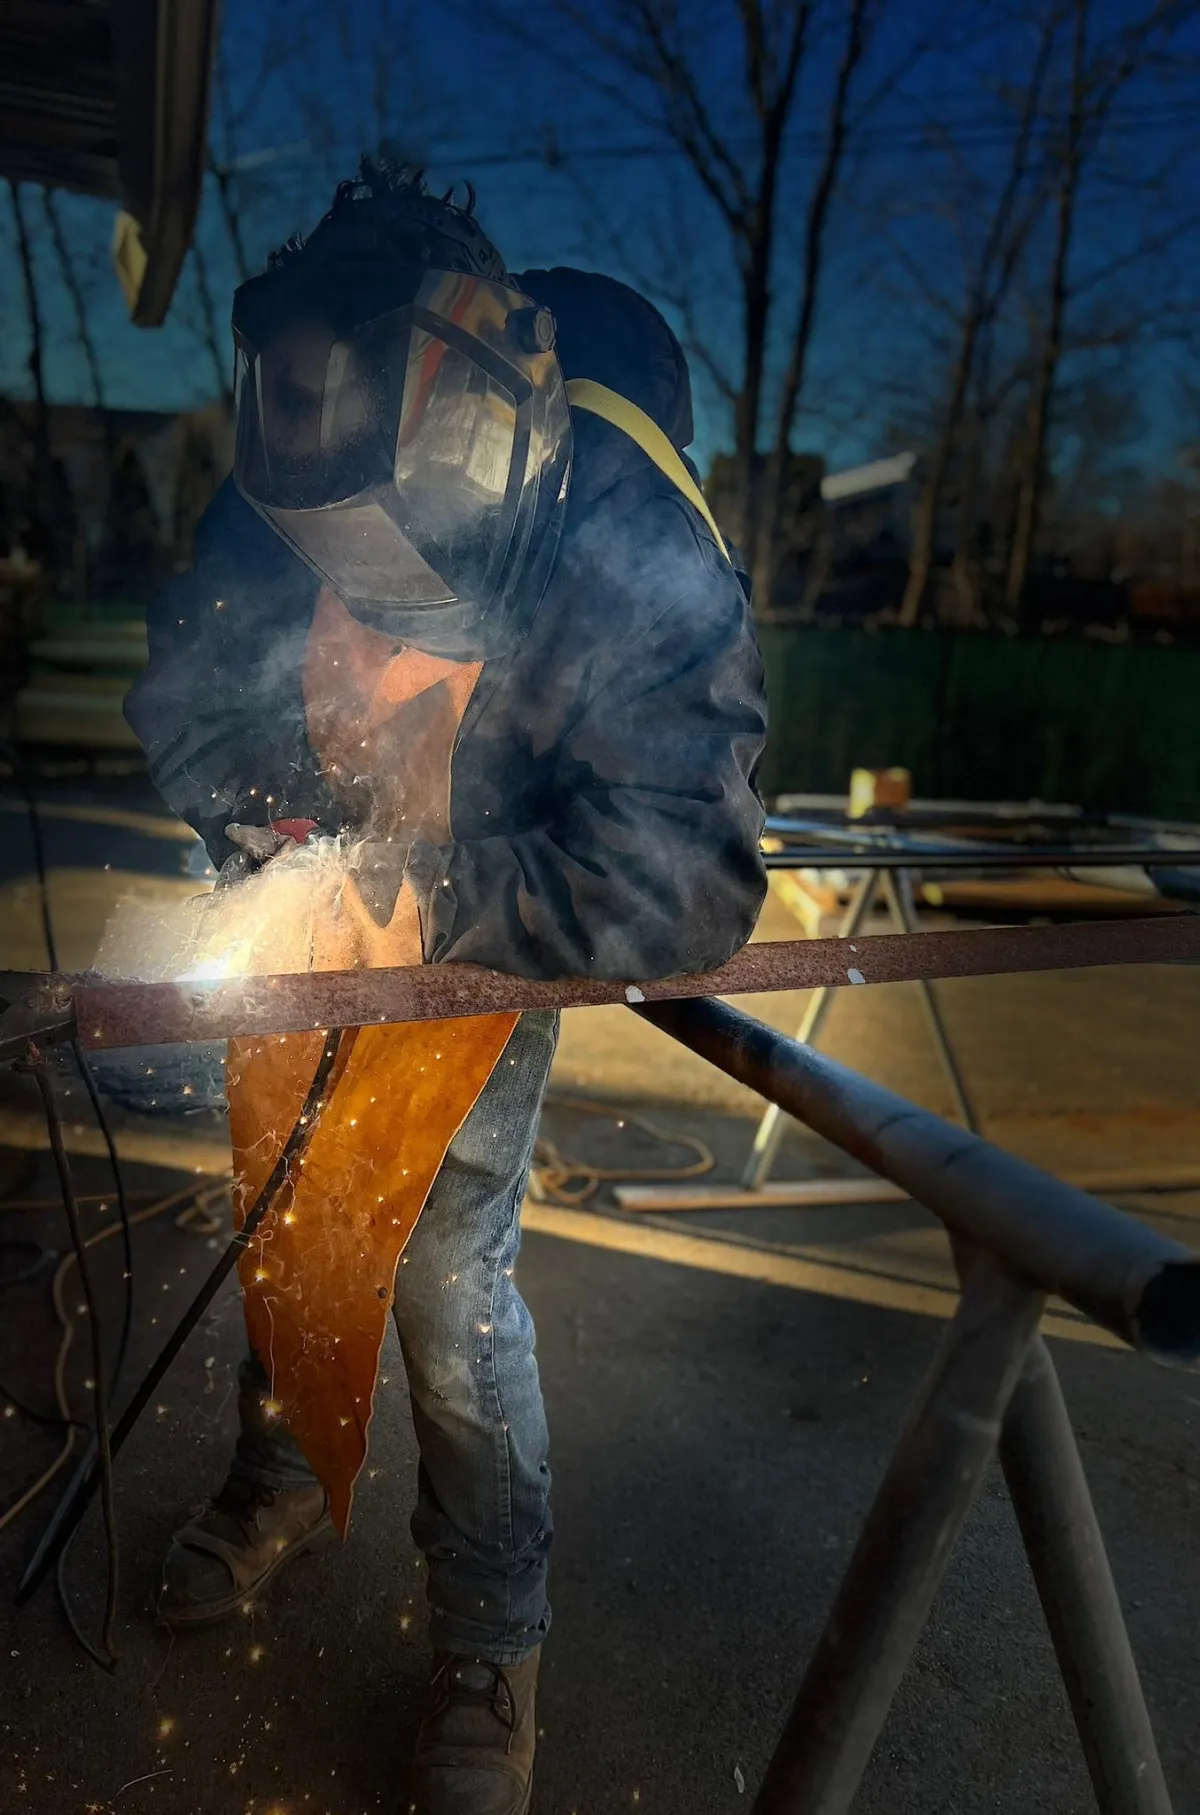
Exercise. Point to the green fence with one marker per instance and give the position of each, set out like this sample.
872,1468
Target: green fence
986,718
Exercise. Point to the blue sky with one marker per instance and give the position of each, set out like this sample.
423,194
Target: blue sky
304,85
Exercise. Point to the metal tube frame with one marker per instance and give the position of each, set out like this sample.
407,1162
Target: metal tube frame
895,890
992,1388
1018,1234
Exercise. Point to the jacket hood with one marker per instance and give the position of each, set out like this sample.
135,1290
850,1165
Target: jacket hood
607,332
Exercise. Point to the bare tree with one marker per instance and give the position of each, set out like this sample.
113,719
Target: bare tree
1009,221
1101,67
219,349
736,130
37,364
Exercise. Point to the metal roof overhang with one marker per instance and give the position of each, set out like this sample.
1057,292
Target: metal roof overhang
110,98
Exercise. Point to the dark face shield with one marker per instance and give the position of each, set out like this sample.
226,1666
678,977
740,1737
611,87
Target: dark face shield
417,461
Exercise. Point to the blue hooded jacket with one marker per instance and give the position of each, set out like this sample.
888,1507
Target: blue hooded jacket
604,818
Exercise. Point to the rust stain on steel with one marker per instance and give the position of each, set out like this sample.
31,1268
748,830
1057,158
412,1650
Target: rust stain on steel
150,1014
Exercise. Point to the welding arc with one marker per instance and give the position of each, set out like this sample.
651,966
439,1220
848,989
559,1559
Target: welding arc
79,1495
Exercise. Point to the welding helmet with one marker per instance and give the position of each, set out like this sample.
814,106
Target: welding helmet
405,429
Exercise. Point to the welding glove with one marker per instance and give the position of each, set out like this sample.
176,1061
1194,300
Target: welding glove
256,846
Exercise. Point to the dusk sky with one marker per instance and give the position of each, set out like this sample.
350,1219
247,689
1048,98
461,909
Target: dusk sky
568,172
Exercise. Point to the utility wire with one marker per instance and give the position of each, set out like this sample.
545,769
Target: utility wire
982,133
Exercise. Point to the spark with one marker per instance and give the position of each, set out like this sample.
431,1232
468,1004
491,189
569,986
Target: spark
166,1726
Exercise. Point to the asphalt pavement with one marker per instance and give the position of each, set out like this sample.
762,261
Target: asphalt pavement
718,1431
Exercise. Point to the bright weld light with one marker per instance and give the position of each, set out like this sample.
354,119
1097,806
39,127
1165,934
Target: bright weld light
166,1726
257,1653
210,970
272,1408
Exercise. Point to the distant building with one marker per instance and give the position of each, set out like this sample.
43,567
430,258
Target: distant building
844,537
868,509
110,98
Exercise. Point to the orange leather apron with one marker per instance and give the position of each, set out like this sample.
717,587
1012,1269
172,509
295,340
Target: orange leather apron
318,1277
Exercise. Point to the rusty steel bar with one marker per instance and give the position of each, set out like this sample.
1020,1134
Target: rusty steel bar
1133,1281
902,1553
152,1014
1066,1553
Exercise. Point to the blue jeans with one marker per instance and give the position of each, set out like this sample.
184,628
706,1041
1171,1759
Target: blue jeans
483,1514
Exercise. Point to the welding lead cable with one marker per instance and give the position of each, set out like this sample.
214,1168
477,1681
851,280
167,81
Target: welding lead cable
39,854
99,1397
38,843
79,1495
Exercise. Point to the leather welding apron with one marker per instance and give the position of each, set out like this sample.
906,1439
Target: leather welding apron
318,1276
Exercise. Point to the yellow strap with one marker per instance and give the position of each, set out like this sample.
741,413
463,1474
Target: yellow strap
586,394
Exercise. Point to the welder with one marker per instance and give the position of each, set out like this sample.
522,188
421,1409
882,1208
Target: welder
462,604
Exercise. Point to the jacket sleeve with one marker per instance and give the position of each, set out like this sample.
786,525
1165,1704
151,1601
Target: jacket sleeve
650,866
219,708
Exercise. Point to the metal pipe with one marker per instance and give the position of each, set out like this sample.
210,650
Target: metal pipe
1066,1553
770,1130
902,1554
1134,1281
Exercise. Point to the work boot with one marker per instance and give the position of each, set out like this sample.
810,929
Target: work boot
234,1547
475,1748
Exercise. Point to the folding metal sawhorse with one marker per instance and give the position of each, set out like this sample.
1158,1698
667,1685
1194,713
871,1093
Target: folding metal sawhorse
894,889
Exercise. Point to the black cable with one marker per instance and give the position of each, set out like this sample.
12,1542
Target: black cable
89,1475
102,1122
38,842
100,1441
53,1420
99,1401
